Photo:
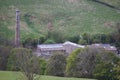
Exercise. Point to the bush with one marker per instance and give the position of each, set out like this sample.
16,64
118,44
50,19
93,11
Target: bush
56,65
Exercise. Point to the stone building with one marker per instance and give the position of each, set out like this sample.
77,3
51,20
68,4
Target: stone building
48,49
107,47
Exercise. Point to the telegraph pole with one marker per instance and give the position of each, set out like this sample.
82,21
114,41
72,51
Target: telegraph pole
17,29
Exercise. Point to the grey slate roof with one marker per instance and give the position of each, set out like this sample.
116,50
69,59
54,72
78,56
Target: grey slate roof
50,47
45,47
105,46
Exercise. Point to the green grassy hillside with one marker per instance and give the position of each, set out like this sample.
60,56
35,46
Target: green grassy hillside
71,17
5,75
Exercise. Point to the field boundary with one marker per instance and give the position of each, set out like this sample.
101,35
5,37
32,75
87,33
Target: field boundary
106,4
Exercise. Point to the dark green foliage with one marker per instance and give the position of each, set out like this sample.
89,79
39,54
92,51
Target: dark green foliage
82,42
23,60
12,63
43,65
116,35
104,70
74,39
79,63
49,41
86,37
27,18
42,39
4,54
4,40
56,65
32,42
92,62
70,67
56,35
117,71
29,43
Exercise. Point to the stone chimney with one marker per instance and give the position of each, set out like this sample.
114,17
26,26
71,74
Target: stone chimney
17,29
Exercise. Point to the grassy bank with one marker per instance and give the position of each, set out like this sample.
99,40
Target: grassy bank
7,75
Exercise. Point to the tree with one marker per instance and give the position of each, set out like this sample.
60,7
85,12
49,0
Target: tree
4,54
106,62
74,38
117,70
83,42
56,36
70,67
87,37
79,63
49,41
43,65
92,63
56,65
116,35
25,61
4,41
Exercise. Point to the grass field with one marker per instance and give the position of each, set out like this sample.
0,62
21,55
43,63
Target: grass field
71,17
6,75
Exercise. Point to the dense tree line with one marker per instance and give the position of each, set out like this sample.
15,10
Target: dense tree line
87,63
93,63
5,48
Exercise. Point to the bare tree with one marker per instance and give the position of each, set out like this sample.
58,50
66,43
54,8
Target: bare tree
27,63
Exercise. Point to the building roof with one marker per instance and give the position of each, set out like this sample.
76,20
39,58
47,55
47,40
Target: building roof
73,44
105,46
50,47
45,47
